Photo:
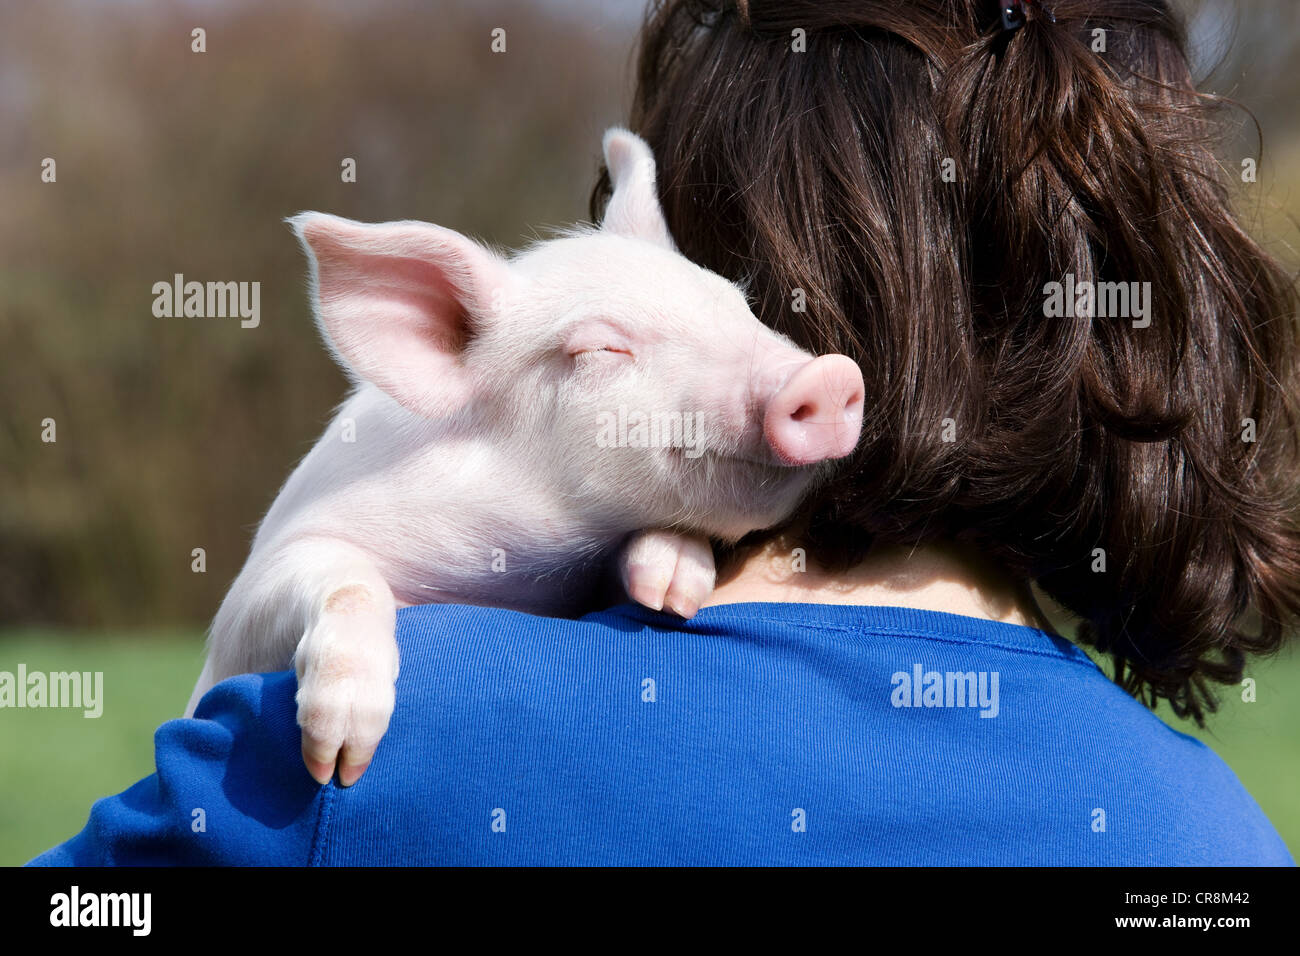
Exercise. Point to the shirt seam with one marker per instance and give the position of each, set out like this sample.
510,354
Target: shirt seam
935,638
320,836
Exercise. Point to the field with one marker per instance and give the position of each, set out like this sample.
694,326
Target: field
57,762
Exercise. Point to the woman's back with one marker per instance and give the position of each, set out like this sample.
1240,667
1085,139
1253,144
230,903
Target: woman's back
761,733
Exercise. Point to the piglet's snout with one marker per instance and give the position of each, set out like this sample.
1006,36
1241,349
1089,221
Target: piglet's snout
817,414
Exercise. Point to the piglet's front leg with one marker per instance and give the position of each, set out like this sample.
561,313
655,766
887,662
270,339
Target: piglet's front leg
346,662
668,570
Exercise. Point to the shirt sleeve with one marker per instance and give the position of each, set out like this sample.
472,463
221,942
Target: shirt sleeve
230,790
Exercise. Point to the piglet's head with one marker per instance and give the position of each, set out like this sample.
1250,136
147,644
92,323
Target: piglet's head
636,385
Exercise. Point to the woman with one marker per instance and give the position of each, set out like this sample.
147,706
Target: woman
903,182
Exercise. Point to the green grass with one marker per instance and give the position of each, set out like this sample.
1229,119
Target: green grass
55,763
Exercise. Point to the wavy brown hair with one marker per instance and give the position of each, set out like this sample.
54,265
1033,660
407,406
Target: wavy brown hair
824,171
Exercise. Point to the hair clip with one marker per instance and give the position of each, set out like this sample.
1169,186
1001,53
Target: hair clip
1014,15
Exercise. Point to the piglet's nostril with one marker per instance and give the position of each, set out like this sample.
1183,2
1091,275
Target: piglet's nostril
817,414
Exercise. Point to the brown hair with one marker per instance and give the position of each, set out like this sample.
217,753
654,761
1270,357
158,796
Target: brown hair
824,171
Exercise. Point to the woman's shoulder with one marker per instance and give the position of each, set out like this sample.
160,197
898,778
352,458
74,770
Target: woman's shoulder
1002,727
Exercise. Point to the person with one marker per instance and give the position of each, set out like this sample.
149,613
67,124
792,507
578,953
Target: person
1080,376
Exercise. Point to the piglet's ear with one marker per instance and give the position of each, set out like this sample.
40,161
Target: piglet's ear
633,208
398,302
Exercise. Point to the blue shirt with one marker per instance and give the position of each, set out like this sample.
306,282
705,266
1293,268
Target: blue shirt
753,734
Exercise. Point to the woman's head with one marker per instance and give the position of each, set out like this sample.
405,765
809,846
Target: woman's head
901,181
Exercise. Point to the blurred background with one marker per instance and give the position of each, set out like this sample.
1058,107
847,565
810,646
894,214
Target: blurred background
174,434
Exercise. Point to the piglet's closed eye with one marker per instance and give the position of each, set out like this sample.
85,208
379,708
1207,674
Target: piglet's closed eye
599,336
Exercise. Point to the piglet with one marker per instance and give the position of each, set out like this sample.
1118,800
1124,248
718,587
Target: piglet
516,425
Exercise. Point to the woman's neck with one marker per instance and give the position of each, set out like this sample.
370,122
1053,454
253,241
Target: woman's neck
939,577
